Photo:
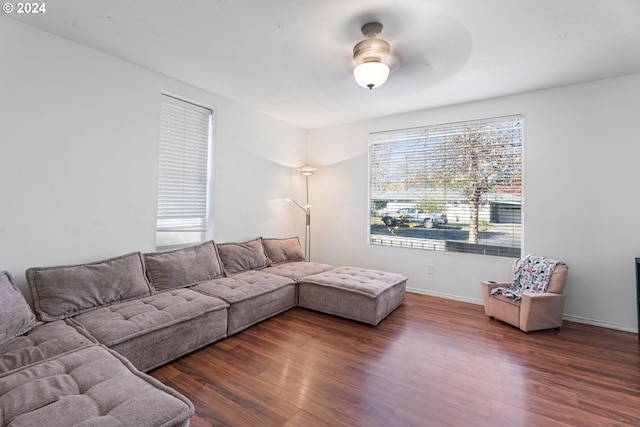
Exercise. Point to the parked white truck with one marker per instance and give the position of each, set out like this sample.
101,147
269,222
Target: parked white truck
409,216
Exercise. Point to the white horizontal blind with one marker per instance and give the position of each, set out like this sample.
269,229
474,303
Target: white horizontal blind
466,175
184,166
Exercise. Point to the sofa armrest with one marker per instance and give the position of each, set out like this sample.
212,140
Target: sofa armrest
541,311
487,287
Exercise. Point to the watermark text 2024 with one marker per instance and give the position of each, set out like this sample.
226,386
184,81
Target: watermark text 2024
21,8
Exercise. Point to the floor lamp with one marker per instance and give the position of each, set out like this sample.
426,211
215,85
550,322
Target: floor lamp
306,171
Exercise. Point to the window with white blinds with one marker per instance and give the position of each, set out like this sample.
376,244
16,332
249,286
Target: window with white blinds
183,184
454,187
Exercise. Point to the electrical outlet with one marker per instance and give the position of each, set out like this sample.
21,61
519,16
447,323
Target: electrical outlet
429,268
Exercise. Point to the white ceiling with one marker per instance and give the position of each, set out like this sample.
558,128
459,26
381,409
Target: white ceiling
291,59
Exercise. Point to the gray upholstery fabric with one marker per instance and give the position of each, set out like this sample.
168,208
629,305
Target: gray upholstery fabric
298,269
154,330
90,386
239,257
16,316
64,291
283,250
183,267
44,341
60,373
355,293
253,296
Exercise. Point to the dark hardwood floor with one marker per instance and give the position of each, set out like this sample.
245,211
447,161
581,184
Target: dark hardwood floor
432,362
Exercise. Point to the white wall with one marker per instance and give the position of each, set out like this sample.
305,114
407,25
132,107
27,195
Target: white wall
78,156
581,169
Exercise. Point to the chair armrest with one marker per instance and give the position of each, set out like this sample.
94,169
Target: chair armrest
541,311
493,285
487,287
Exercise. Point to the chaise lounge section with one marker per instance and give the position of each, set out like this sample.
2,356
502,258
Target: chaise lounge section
51,374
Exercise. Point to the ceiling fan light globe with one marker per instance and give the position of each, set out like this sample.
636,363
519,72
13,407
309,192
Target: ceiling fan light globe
371,74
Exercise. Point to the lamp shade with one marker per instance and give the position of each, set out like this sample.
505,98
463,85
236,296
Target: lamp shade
306,170
371,74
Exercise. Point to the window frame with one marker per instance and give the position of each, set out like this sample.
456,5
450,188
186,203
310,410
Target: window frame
200,227
423,147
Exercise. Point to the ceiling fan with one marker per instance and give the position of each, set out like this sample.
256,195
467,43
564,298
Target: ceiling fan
371,57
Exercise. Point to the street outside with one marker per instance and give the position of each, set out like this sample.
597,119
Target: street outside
493,235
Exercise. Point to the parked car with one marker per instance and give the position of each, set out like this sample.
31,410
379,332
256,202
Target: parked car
414,216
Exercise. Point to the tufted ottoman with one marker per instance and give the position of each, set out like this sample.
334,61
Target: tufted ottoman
360,294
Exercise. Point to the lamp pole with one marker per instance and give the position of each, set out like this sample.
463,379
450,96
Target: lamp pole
307,233
306,171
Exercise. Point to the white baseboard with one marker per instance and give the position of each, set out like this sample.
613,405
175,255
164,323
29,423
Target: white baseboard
446,296
570,318
601,323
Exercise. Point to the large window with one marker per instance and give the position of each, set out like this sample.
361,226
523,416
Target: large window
183,184
453,187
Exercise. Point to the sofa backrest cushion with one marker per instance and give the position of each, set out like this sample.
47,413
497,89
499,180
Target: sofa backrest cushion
239,257
64,291
16,316
283,250
183,267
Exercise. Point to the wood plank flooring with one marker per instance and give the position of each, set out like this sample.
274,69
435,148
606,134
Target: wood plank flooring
432,362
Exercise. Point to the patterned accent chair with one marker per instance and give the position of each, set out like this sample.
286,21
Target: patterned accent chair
533,310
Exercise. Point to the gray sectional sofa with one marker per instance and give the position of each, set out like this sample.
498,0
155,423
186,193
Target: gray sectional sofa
80,358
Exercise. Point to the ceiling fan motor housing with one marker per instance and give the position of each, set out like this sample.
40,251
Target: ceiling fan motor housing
372,49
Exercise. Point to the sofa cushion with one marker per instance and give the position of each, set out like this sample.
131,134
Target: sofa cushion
283,250
64,291
298,269
91,386
243,286
183,267
253,296
364,281
505,308
356,293
44,341
153,330
239,257
16,316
